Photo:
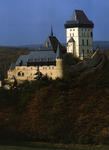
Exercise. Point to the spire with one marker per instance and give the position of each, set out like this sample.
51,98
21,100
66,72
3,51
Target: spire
51,30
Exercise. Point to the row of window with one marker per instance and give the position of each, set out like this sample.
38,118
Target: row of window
83,34
41,59
48,67
81,29
88,34
83,42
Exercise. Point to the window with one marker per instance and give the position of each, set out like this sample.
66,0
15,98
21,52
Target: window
88,51
83,42
91,34
20,74
83,52
87,42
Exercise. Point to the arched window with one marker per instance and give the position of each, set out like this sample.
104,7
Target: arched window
20,74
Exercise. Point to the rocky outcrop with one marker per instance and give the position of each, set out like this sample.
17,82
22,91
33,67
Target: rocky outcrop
96,62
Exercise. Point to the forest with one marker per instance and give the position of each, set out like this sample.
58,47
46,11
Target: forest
72,110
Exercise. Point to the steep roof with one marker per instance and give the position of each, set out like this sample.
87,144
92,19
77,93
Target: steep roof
79,19
53,44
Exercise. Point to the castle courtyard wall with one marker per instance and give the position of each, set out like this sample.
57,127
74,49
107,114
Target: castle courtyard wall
22,73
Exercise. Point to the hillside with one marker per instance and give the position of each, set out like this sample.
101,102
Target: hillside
71,110
101,44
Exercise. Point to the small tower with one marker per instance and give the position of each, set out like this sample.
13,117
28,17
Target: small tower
79,35
59,62
48,41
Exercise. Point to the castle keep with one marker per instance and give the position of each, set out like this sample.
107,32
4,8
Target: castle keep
79,35
48,60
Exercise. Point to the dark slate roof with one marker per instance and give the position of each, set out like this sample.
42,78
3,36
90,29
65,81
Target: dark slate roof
37,56
46,55
79,19
53,44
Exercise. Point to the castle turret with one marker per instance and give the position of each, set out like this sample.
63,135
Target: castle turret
59,63
79,35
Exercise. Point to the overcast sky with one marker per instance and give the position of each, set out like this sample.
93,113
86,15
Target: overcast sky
28,21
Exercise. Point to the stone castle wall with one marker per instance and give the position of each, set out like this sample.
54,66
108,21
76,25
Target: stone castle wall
22,73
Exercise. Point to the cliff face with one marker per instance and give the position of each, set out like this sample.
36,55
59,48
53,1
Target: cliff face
73,110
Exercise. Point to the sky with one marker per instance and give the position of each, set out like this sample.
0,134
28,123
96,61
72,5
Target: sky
26,22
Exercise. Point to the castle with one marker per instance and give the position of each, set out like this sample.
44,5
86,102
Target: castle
48,60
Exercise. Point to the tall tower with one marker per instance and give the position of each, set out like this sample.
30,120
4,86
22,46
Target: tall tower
79,35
